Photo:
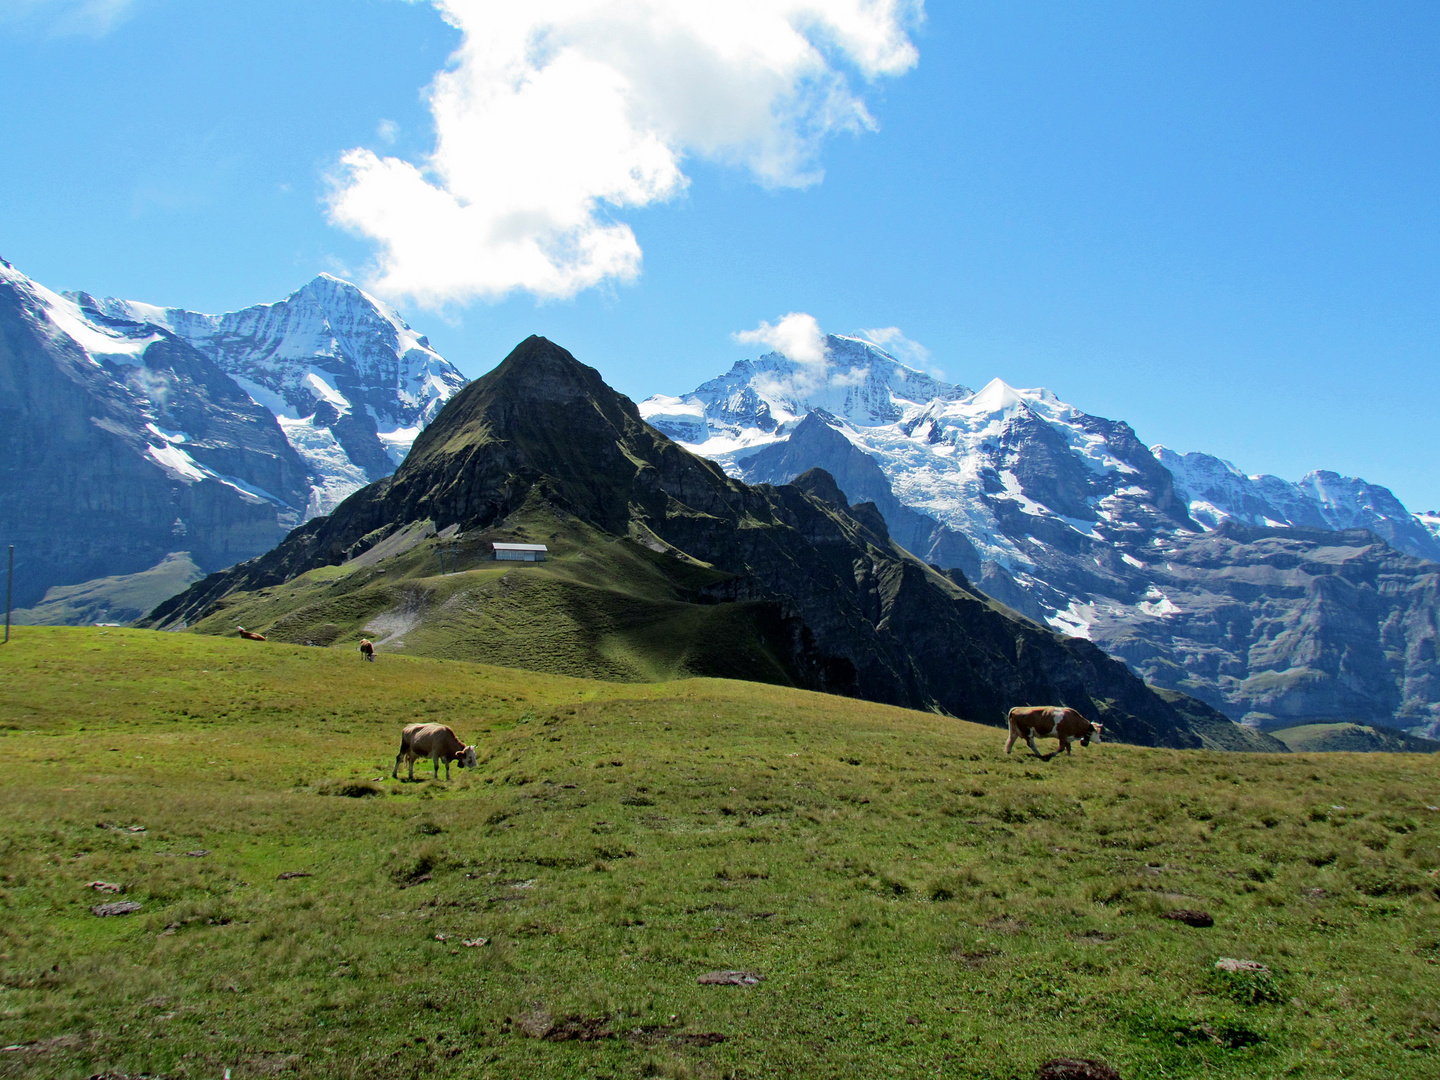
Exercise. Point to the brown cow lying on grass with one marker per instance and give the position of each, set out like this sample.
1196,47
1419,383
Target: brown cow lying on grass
1050,721
436,742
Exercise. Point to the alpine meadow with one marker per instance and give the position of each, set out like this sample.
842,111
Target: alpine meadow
711,540
913,901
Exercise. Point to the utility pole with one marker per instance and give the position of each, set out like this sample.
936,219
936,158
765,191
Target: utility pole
9,586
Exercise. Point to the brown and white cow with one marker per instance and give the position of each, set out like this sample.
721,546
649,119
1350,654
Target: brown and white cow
1052,722
436,742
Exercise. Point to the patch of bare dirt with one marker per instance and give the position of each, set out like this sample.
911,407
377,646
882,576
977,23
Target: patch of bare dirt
539,1024
1076,1069
1190,917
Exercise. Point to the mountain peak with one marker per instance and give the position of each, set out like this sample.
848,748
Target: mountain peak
538,368
997,396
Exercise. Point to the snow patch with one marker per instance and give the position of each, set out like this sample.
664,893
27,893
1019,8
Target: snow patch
176,462
327,393
266,398
1074,621
398,442
168,436
1157,605
97,341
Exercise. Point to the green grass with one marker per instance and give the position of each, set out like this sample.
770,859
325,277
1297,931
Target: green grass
598,608
918,903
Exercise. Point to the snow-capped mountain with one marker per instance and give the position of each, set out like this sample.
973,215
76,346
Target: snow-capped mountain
1217,491
1205,580
757,402
135,432
123,444
350,383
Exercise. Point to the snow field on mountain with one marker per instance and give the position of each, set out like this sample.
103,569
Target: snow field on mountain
327,348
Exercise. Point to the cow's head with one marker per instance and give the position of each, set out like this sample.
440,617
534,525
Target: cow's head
465,758
1094,733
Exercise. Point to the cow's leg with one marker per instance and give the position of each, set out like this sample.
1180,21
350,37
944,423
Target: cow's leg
1065,743
411,760
1010,742
395,772
1030,738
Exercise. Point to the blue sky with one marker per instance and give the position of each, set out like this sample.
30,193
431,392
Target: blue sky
1217,221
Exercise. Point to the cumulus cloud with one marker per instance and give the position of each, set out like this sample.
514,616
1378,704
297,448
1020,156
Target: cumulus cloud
556,115
908,352
797,337
92,17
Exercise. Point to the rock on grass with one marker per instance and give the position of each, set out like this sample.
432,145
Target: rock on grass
730,978
118,907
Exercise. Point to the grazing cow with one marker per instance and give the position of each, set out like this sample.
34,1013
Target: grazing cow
436,742
1050,721
250,635
367,649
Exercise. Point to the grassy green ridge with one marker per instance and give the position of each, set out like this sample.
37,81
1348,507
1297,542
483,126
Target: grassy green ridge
599,607
1354,738
120,599
918,903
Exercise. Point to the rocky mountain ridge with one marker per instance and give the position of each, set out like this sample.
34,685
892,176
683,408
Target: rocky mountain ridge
542,443
1072,520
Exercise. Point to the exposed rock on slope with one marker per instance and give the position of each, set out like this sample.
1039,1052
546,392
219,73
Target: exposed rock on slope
542,437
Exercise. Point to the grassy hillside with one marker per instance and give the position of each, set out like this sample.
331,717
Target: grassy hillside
600,607
918,903
1354,738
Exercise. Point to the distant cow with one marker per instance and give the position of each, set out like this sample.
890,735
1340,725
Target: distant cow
250,635
436,742
367,649
1050,721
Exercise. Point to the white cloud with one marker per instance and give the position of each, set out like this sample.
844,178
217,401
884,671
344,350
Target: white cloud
387,130
555,114
910,353
797,337
93,17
